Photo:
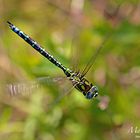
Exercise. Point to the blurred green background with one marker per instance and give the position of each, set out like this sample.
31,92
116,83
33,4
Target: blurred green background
71,31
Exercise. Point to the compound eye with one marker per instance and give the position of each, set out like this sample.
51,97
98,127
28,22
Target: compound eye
94,89
89,95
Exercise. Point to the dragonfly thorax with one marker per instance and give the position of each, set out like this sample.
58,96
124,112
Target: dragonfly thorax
83,85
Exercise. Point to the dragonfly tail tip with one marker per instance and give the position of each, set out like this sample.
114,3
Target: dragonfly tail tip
9,23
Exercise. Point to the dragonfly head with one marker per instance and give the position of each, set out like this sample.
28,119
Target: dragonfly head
93,92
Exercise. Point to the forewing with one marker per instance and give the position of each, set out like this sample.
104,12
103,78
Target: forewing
26,88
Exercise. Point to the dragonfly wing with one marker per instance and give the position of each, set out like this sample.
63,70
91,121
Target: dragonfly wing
62,88
51,99
65,92
93,58
26,88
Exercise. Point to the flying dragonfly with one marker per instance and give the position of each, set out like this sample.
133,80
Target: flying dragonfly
78,79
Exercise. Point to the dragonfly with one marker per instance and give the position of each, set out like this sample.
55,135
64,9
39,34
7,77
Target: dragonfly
78,79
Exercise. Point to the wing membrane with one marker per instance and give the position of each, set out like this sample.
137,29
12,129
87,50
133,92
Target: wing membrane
93,58
24,88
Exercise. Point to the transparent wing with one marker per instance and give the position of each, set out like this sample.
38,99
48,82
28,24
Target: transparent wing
65,93
50,98
93,58
61,85
26,88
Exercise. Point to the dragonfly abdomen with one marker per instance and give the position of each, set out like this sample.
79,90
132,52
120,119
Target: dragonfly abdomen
37,47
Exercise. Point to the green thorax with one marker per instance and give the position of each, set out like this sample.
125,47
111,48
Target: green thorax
80,82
